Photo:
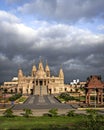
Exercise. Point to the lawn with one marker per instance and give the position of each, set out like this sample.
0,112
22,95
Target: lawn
46,123
39,123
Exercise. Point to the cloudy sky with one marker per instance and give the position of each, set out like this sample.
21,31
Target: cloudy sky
67,33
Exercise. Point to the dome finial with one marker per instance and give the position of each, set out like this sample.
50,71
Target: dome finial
40,58
46,62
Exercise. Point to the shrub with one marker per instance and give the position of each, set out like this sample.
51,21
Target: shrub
71,113
92,114
94,120
66,96
8,113
46,114
27,113
15,97
53,112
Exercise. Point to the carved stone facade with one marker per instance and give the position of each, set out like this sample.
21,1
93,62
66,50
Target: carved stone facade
41,82
94,87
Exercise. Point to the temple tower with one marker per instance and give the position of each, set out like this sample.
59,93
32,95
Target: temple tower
20,81
40,67
33,70
47,70
20,73
61,73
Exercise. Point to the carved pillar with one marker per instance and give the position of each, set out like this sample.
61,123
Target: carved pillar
35,82
38,82
43,82
101,97
98,97
86,98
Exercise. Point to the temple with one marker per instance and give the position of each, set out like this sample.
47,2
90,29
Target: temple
40,82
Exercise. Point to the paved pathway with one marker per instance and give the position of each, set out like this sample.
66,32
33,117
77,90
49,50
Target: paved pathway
42,102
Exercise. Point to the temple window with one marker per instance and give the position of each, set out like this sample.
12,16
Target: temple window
65,89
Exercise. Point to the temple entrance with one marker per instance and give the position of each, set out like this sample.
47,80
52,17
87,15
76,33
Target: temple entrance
31,91
40,88
41,82
50,91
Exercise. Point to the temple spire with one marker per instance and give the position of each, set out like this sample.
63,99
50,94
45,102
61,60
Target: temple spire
61,73
47,69
33,70
20,75
40,67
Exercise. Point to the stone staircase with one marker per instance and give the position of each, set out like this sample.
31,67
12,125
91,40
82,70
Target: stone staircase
44,90
40,90
37,90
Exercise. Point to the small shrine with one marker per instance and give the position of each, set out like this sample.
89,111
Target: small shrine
95,87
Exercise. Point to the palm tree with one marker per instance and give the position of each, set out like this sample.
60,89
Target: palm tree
27,113
8,113
53,112
71,113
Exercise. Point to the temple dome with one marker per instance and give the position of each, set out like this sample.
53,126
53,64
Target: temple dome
40,74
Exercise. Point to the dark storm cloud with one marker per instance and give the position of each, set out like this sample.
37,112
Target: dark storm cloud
79,51
65,10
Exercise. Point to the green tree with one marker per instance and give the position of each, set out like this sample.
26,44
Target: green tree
53,112
8,113
27,113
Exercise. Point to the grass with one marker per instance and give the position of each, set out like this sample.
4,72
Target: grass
22,99
77,122
38,123
76,99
